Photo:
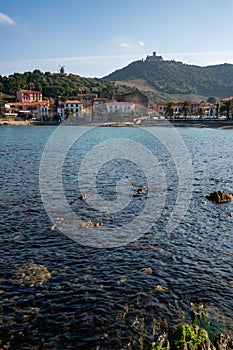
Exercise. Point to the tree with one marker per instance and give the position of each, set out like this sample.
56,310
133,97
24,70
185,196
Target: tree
185,109
217,109
169,109
200,111
68,113
212,99
226,108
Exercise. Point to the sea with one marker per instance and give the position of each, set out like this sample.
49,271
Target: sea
138,257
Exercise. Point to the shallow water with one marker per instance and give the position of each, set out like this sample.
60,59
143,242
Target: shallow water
101,298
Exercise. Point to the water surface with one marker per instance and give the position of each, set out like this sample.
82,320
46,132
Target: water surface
101,298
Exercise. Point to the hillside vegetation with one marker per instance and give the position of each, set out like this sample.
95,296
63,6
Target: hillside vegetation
171,79
158,79
54,85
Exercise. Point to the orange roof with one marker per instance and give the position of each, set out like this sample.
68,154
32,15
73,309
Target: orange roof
72,101
227,98
39,103
30,91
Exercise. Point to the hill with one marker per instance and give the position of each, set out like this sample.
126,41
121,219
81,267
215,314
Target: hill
171,80
54,85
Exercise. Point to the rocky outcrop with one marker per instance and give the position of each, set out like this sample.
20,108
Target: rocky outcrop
192,337
224,342
220,197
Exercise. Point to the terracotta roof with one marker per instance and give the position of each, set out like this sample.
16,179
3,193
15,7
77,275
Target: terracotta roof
227,98
30,91
39,103
73,101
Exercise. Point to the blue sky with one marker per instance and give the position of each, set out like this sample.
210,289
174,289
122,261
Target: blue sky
93,38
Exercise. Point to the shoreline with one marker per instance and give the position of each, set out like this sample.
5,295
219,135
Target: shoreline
197,123
6,122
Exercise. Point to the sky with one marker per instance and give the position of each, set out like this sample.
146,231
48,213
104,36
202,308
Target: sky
93,38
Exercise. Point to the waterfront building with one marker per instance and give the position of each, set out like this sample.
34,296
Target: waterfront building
28,96
30,105
73,108
38,110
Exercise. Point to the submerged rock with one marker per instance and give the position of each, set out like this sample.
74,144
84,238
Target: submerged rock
220,197
147,270
32,275
90,223
83,196
140,191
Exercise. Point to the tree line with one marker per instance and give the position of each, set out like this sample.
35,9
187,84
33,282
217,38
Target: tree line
55,85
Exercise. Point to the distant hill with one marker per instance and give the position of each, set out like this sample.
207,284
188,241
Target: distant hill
171,80
54,85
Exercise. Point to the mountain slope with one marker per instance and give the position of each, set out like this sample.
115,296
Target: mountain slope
176,78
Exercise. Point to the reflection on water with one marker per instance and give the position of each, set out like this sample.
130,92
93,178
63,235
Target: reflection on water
91,297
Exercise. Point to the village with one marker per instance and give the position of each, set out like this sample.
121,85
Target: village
89,107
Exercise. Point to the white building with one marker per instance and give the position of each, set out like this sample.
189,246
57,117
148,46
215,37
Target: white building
73,108
125,108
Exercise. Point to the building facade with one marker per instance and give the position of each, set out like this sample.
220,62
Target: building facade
38,110
73,108
135,97
28,96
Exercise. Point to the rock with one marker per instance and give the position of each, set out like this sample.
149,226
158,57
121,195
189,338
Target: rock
147,270
83,197
58,221
73,201
220,197
162,343
160,288
224,342
90,223
140,191
33,275
97,224
191,337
